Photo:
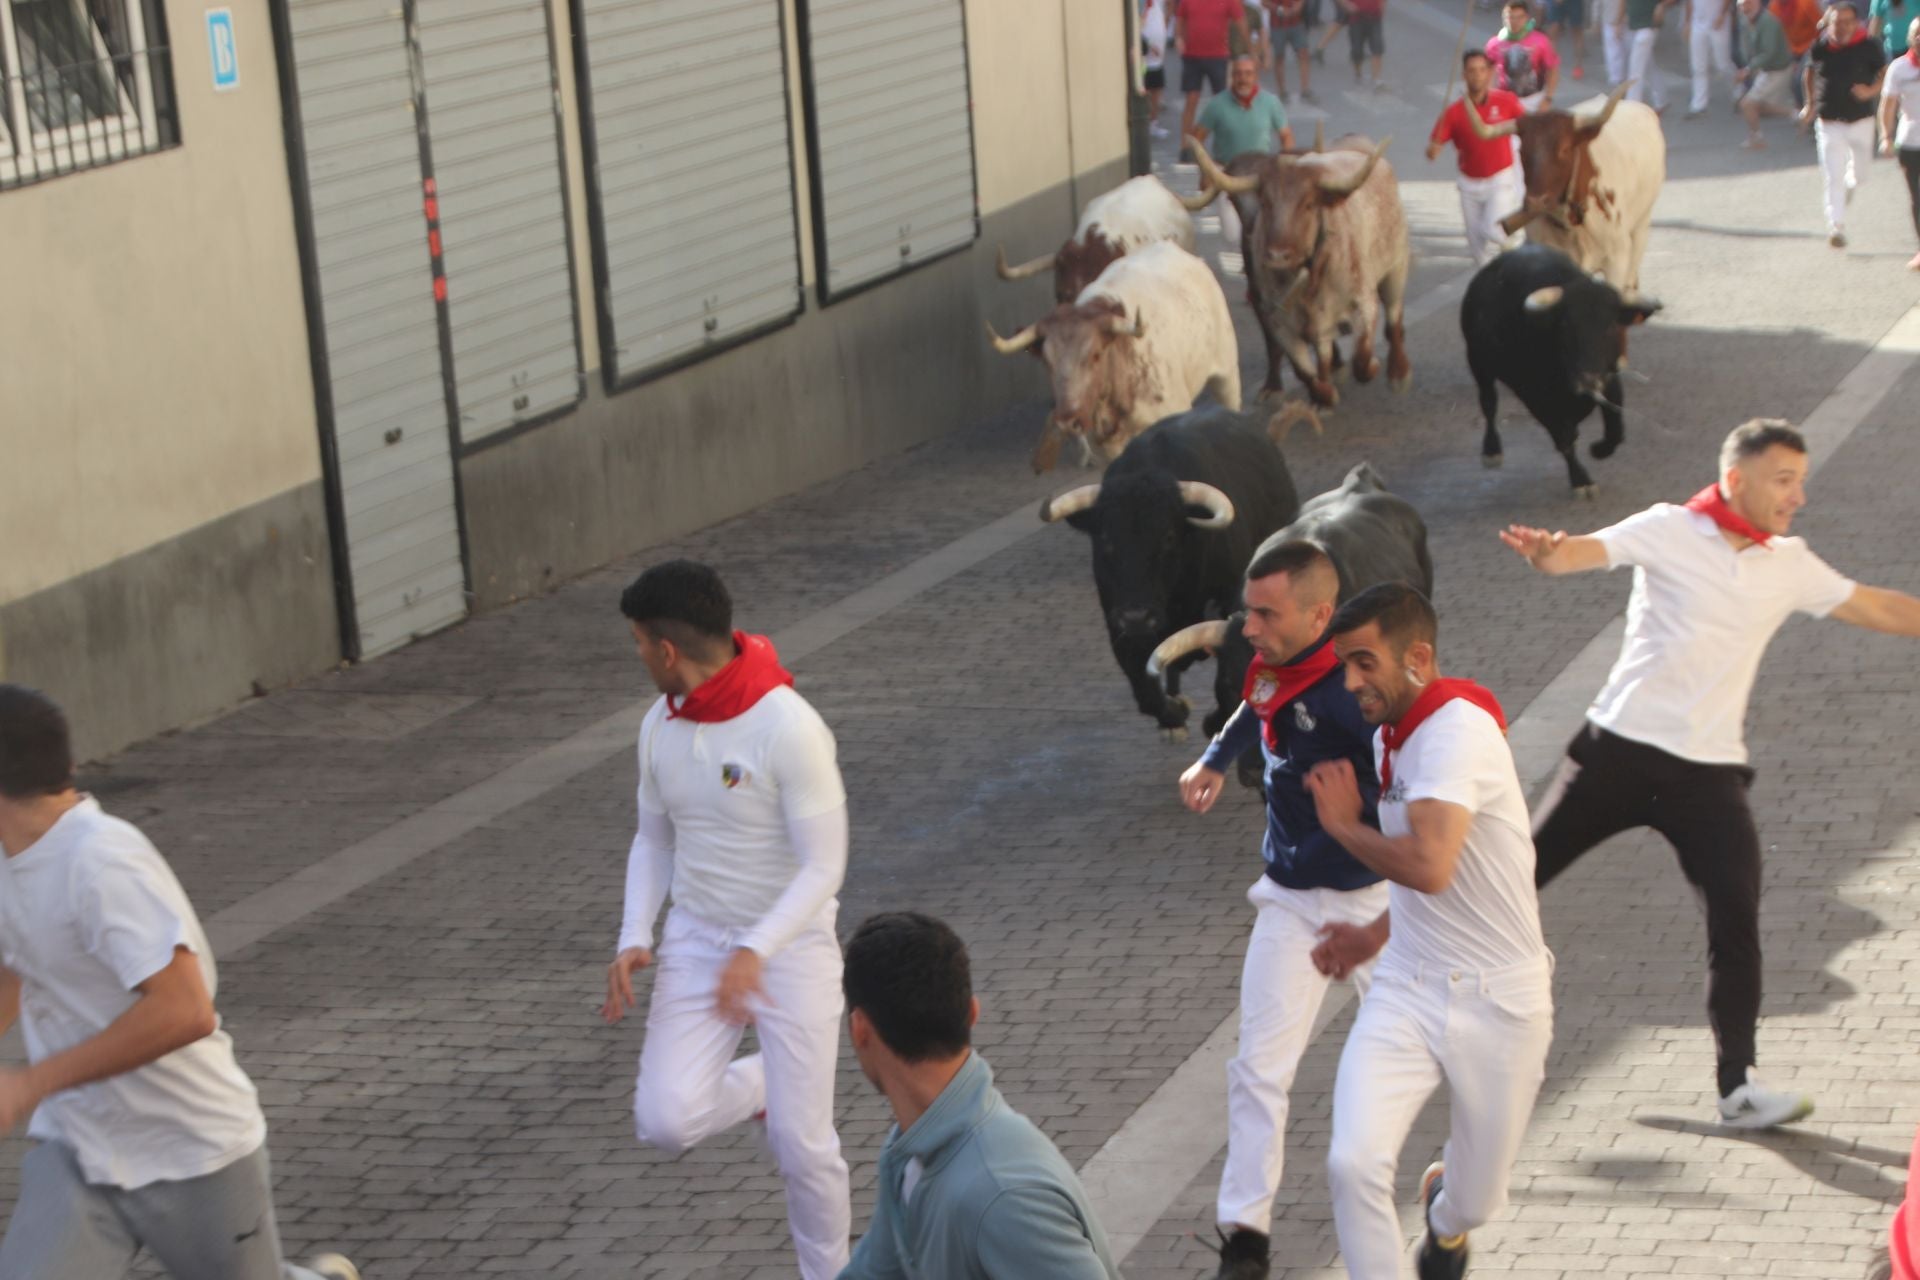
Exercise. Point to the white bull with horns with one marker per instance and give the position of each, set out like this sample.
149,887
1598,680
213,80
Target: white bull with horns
1139,212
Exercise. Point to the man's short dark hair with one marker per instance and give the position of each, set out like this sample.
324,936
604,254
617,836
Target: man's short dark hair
36,748
1848,5
1754,437
1466,59
683,601
908,974
1302,562
1401,612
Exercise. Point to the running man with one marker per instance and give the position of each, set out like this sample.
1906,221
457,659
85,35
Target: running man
1641,20
1844,70
1524,61
742,811
1491,185
149,1134
1664,744
1314,906
1709,25
1463,992
1900,122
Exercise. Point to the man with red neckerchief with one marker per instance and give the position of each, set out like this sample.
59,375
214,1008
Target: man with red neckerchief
742,812
1316,908
1664,745
1462,992
1491,185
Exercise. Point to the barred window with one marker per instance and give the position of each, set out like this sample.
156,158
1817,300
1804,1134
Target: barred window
82,83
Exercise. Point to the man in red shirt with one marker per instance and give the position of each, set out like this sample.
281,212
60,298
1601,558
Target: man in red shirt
1490,182
1200,37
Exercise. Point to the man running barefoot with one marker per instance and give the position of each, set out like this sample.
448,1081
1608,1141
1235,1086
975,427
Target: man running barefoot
743,812
1664,745
1463,992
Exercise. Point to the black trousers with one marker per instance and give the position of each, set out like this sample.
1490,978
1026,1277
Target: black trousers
1608,784
1910,165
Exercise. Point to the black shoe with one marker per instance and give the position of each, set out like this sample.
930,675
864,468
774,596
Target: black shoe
1243,1255
1438,1259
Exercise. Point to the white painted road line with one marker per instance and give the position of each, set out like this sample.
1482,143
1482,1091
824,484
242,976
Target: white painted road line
1158,1151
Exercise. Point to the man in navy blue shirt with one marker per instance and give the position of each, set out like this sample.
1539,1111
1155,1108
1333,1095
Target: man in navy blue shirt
1321,915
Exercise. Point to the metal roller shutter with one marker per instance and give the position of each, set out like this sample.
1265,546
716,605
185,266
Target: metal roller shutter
692,167
893,135
502,205
360,150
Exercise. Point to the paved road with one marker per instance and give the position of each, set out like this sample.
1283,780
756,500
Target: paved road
443,1100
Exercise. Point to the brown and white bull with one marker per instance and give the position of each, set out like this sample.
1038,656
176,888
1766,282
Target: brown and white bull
1328,252
1139,212
1137,345
1592,175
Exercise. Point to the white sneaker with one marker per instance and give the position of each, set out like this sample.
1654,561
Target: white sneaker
333,1266
1159,130
1754,1106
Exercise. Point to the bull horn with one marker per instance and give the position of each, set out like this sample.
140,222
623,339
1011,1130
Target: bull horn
1201,635
1121,327
1197,493
1219,178
1319,135
1025,271
1544,300
1518,219
1195,203
1487,132
1018,342
1605,114
1069,502
1346,187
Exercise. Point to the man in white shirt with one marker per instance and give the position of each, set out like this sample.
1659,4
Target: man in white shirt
1709,48
1664,745
1462,992
1900,122
149,1134
743,815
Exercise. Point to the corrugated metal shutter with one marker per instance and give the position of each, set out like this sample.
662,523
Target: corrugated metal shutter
503,221
380,329
686,103
893,132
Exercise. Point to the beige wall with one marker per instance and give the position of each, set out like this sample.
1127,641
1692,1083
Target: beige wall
153,354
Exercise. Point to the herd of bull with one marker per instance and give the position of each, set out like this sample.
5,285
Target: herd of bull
1140,328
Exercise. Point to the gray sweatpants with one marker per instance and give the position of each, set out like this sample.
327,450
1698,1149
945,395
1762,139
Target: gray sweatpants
216,1227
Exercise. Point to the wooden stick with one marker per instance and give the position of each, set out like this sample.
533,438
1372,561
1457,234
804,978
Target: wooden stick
1459,47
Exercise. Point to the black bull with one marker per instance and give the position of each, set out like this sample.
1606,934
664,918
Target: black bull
1371,535
1172,524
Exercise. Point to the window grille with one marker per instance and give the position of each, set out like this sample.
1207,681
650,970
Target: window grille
82,83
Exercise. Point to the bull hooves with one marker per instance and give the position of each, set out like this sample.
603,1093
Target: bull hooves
1586,491
1493,461
1176,735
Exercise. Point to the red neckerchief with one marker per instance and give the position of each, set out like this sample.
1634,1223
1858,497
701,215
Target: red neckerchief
1913,55
1709,503
1432,698
754,673
1246,102
1859,34
1271,685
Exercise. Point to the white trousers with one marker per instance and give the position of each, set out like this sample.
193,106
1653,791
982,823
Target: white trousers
1483,202
1614,42
1280,996
1485,1033
1709,54
1649,85
1846,155
691,1086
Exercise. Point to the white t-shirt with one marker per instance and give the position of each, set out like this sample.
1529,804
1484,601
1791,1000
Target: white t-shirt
1488,916
1699,619
87,913
1153,30
1903,86
730,788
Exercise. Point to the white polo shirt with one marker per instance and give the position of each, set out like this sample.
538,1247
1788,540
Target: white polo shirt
1488,916
730,788
1699,619
87,913
1902,85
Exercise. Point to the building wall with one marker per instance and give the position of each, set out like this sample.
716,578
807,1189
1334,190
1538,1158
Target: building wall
160,502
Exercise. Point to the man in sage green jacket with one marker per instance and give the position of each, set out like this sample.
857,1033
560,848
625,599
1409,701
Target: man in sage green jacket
968,1188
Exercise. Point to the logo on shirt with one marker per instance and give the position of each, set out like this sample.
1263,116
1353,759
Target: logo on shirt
1303,718
1265,685
1396,792
732,775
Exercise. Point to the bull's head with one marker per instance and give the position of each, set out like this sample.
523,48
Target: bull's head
1294,194
1089,351
1589,321
1553,159
1145,528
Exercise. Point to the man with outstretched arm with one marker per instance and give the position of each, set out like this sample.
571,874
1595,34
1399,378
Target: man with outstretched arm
1664,745
743,813
1462,992
1315,907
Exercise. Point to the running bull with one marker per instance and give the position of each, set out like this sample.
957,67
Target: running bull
1371,535
1592,176
1139,344
1558,337
1327,252
1139,212
1172,524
